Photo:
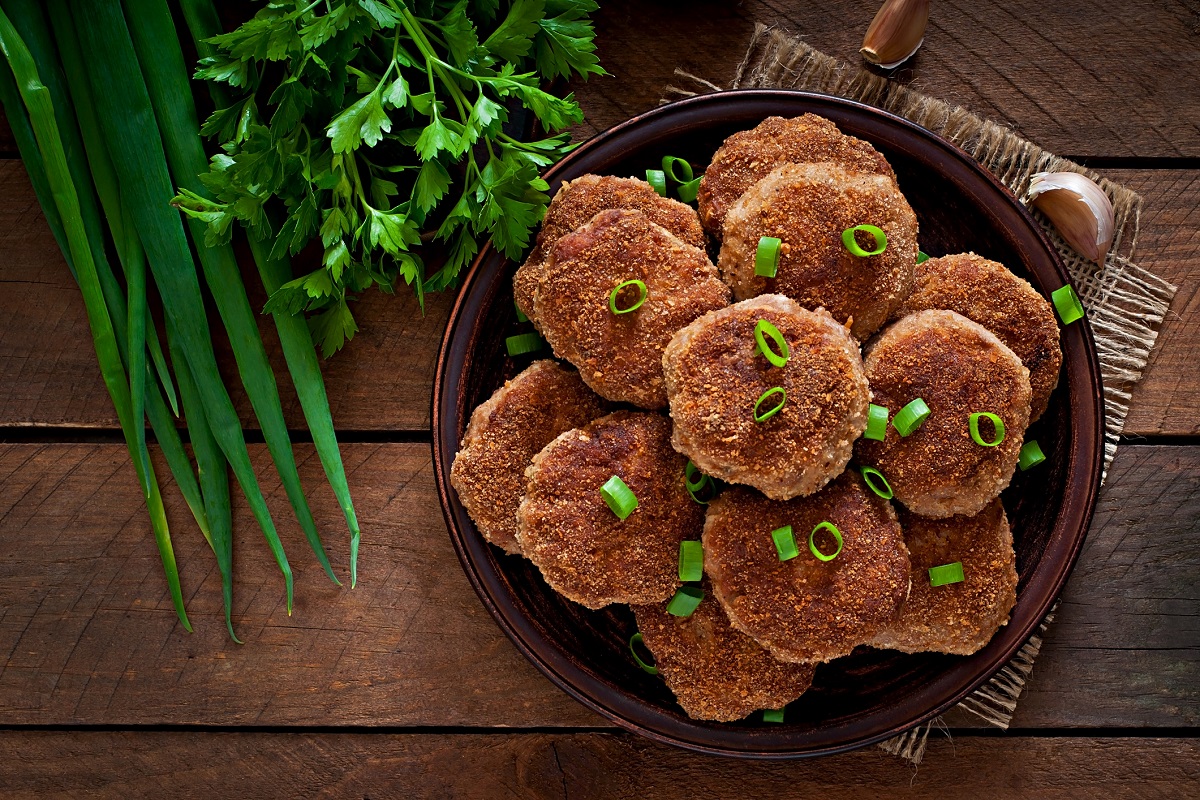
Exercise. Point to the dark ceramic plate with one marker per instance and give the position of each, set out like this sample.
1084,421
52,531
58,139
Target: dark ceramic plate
871,694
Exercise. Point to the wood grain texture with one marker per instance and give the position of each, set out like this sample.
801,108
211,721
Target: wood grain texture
87,635
130,765
1078,78
381,381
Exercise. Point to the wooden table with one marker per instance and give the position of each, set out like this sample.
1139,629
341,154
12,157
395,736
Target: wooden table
404,686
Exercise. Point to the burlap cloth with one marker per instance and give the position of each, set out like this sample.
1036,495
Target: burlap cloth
1125,303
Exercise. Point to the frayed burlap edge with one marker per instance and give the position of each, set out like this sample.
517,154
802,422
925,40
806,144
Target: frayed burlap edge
1124,302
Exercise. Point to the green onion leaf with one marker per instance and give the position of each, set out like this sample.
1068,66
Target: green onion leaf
685,169
778,356
877,418
910,417
523,343
785,543
877,483
945,574
812,545
853,246
636,639
691,561
620,498
701,489
997,424
520,314
687,191
922,257
763,416
1031,455
773,715
1066,302
766,258
685,601
657,180
612,297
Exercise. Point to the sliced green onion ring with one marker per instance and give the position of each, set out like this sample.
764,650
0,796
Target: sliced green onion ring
878,484
766,258
691,561
637,639
696,486
615,293
763,416
686,600
877,417
772,715
1031,455
922,256
812,545
687,191
911,417
779,356
997,424
657,180
945,574
785,543
854,247
620,498
685,169
1066,302
520,314
523,343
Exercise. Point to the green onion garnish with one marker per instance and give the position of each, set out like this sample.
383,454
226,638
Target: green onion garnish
910,417
1066,302
523,343
637,639
946,573
520,314
785,543
766,258
685,169
812,545
687,191
696,485
691,561
778,356
657,180
877,417
772,715
1030,456
877,483
619,497
853,246
763,416
922,256
685,601
997,425
612,296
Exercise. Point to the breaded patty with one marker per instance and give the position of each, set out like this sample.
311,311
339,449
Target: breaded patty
747,156
806,610
958,618
957,367
579,200
715,671
807,207
585,552
986,292
522,417
620,355
714,378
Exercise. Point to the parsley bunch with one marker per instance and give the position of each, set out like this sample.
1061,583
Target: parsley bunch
379,127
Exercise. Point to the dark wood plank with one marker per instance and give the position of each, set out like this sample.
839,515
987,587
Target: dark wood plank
87,634
1079,78
581,765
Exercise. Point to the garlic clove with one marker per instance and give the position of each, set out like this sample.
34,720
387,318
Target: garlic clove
896,32
1079,209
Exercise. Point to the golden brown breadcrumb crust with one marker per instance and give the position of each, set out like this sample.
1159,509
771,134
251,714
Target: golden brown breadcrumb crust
714,378
957,367
620,355
504,433
584,551
574,205
715,671
807,610
958,618
987,292
807,207
747,156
